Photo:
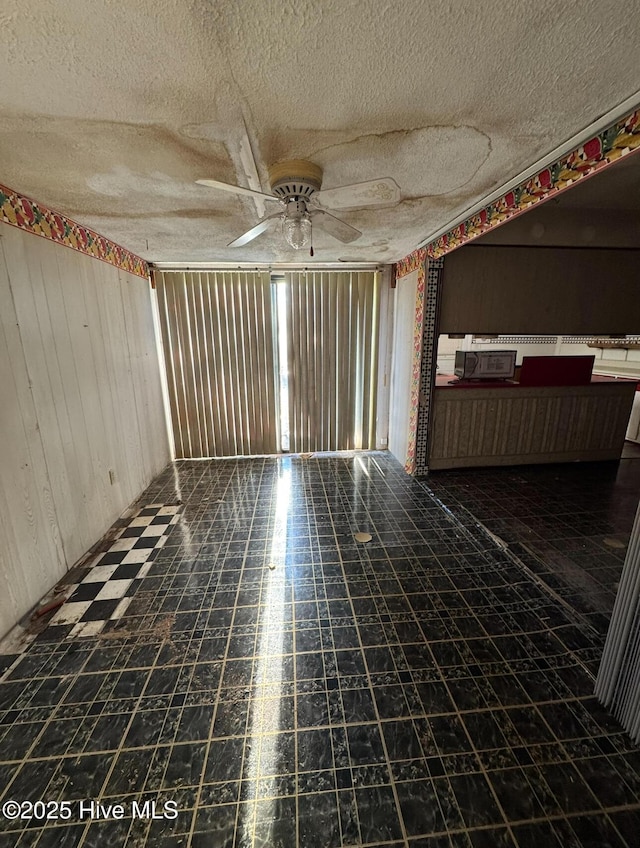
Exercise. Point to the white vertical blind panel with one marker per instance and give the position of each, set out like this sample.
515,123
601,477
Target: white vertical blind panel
218,338
332,335
618,682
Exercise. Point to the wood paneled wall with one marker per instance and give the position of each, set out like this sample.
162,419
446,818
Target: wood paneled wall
80,404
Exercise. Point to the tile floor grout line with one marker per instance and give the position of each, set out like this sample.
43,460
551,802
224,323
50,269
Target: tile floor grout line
257,741
405,837
217,700
491,710
415,584
334,537
482,769
465,731
343,723
505,548
173,746
296,751
191,829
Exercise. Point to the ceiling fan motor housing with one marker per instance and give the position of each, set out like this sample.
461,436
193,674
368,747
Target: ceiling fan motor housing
295,180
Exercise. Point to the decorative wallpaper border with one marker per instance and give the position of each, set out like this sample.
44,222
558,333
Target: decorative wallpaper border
413,262
26,214
416,365
433,288
604,149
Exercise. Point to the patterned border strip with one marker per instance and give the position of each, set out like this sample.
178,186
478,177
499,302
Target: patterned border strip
411,263
601,339
523,340
429,355
618,140
410,462
26,214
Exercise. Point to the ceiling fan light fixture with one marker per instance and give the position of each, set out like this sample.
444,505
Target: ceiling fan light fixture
297,230
297,186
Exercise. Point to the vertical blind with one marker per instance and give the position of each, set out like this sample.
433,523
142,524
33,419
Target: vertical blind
618,682
218,337
332,331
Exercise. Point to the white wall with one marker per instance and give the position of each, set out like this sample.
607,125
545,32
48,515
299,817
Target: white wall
618,362
385,359
80,397
402,365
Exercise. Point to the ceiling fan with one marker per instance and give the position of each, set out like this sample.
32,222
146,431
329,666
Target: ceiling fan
296,186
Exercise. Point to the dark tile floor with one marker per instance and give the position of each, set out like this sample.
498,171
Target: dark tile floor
569,524
284,685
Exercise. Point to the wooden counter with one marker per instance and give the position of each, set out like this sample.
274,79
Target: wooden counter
509,424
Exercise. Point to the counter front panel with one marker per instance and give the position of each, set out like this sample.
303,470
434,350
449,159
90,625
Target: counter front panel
485,426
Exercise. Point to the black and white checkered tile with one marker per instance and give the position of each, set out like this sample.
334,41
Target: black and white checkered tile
107,583
106,590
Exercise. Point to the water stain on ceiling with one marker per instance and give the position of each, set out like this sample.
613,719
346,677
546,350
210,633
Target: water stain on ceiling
110,113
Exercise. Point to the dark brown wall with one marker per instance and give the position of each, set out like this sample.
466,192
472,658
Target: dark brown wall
541,290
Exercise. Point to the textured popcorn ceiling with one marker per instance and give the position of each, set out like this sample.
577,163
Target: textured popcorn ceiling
110,111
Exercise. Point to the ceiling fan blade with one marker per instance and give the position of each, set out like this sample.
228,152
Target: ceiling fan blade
382,192
250,169
234,189
334,226
254,232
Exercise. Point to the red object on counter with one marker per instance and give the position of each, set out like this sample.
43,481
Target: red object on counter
556,370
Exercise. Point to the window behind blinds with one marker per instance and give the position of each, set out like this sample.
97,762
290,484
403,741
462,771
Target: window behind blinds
332,330
221,334
218,334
